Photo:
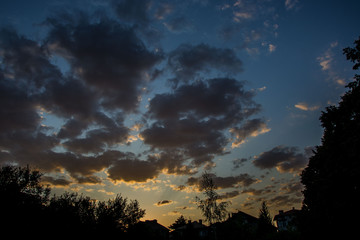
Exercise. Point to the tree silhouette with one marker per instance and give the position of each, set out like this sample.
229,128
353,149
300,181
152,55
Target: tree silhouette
264,214
22,199
118,213
331,179
265,224
212,211
179,222
25,206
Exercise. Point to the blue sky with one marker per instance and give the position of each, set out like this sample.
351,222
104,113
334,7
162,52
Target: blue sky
141,97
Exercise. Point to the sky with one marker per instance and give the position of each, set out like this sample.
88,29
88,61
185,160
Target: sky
140,98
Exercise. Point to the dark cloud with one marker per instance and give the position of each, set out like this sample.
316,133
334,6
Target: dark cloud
135,12
68,98
25,61
243,180
129,170
187,61
104,54
72,128
250,128
96,140
18,110
256,192
164,202
284,159
239,162
55,181
171,162
195,116
218,97
228,195
293,188
109,64
284,201
163,10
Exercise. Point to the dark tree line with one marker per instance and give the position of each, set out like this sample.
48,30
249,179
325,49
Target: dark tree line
331,179
26,209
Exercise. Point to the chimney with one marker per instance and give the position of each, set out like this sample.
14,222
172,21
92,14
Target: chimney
189,222
200,221
281,211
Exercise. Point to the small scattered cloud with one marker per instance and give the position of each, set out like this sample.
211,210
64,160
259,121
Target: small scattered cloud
256,192
187,61
291,4
172,213
244,180
238,16
305,107
179,25
283,158
237,163
251,128
327,63
56,182
227,195
163,203
272,48
262,89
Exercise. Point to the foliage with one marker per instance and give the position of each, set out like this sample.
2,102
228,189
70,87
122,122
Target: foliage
212,211
118,213
331,179
22,199
264,214
265,225
23,184
179,222
25,204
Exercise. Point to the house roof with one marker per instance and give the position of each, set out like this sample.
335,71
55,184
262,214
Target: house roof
193,224
242,215
282,214
153,224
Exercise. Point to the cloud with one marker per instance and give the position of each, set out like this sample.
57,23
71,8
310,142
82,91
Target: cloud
251,128
256,192
284,201
244,180
178,24
135,12
163,203
327,62
195,117
186,61
163,10
294,188
239,162
55,181
305,107
228,195
172,213
127,167
284,159
238,16
104,54
272,48
290,4
109,65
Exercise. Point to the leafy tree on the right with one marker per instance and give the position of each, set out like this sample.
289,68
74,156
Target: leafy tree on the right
332,177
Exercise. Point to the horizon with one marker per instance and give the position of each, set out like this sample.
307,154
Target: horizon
139,98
